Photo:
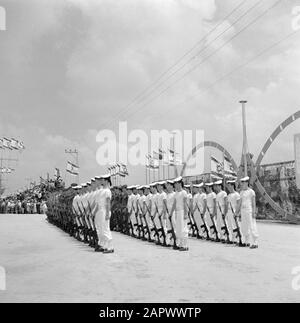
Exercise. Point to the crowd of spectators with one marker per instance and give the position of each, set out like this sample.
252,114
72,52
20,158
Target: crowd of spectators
30,201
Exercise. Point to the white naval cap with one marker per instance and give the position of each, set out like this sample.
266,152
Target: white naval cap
93,179
161,183
83,185
245,179
231,181
220,182
146,186
169,181
105,176
209,184
153,184
178,179
97,177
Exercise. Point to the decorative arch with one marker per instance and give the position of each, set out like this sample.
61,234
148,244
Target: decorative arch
254,168
209,144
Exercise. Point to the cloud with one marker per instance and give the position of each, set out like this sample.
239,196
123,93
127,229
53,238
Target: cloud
69,67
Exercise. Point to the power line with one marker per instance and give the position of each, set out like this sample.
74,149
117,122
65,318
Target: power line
133,101
213,53
204,48
223,77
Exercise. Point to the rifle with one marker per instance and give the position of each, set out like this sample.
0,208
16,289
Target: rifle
139,224
92,234
93,226
161,229
213,227
140,217
84,224
156,234
70,219
172,231
135,225
77,226
203,226
224,228
237,231
192,223
131,225
147,225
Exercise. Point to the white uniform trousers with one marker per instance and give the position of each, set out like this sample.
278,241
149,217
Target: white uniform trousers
103,230
182,231
231,226
248,227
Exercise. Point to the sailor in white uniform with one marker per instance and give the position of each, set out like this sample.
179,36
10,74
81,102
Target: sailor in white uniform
170,212
197,208
222,208
181,214
161,208
247,209
233,200
104,200
211,209
147,207
154,211
130,210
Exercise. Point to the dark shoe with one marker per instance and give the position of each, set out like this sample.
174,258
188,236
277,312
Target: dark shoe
99,249
108,251
176,248
253,247
183,249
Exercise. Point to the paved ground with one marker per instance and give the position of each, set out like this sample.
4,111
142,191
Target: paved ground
43,264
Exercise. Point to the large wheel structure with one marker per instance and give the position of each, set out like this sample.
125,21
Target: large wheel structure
254,168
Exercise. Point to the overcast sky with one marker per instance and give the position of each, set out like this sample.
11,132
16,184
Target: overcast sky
69,67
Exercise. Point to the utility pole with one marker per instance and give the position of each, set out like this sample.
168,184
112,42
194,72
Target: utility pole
74,154
245,140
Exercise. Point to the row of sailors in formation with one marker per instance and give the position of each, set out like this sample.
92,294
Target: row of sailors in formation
209,204
173,202
96,196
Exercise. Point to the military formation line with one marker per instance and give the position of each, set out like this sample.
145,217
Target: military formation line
166,213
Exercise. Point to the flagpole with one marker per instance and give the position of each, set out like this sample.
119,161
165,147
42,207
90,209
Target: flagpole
245,141
223,169
174,154
146,170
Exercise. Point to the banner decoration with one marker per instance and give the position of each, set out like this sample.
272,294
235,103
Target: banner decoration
72,169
